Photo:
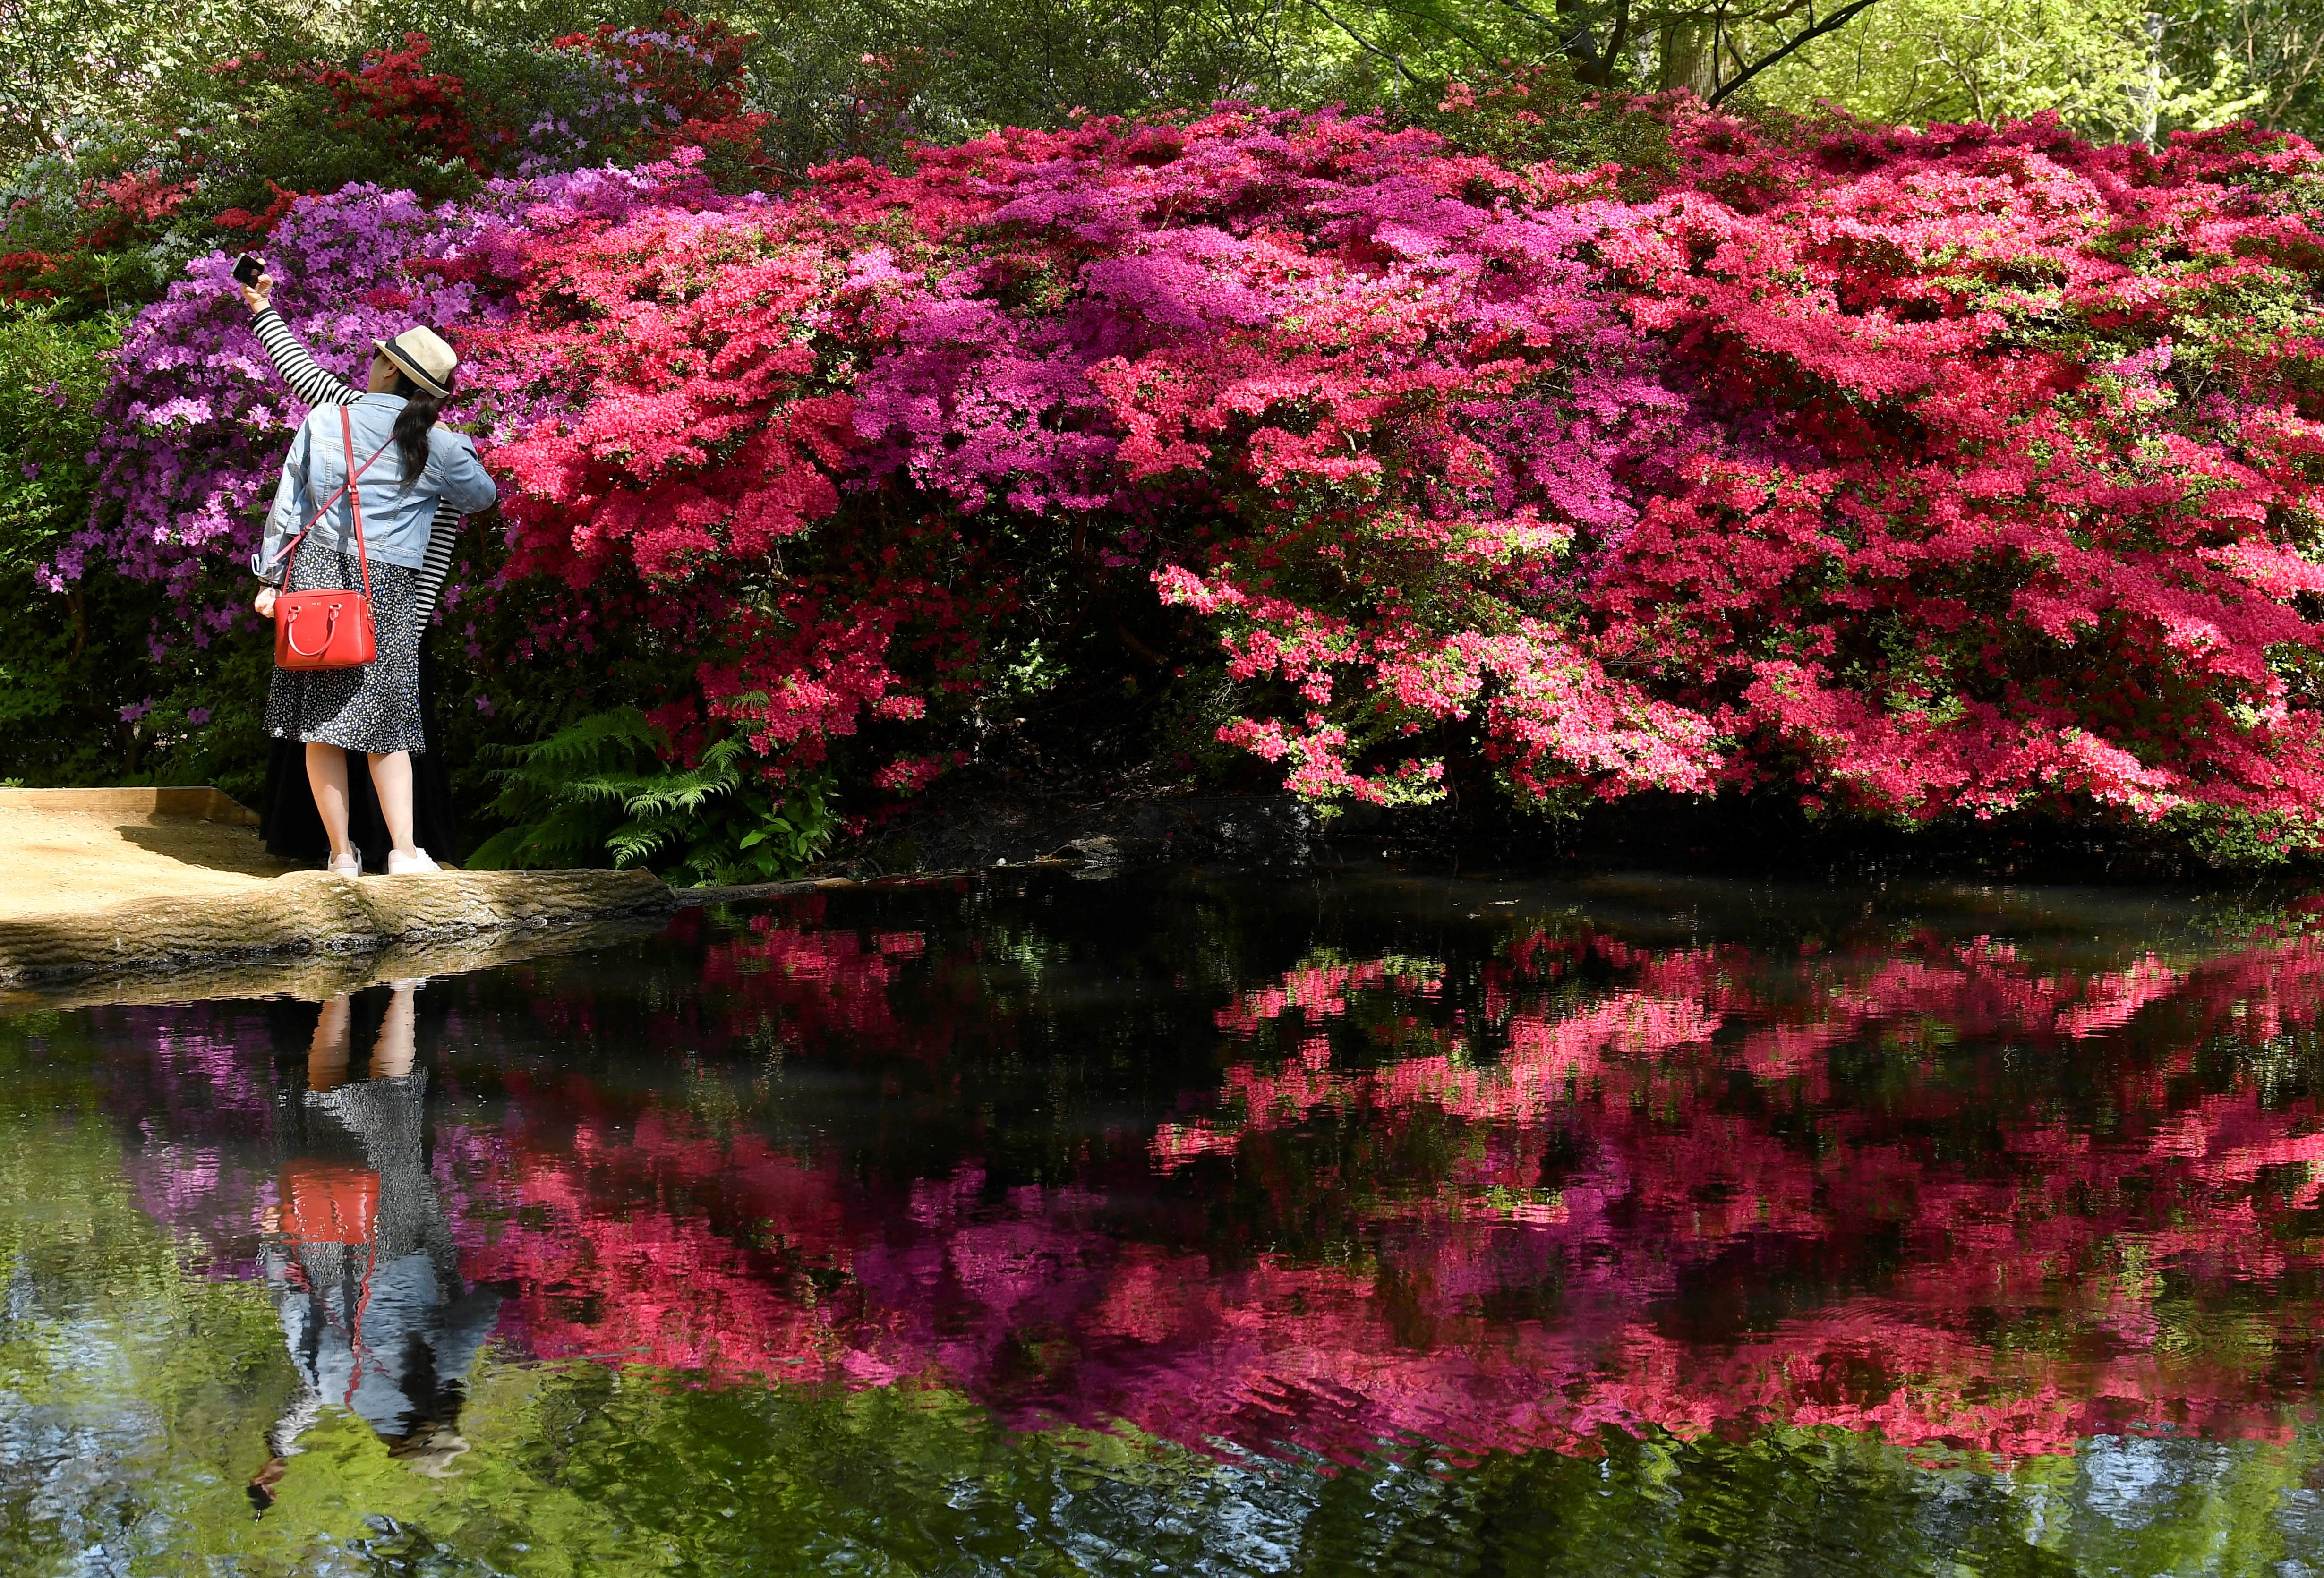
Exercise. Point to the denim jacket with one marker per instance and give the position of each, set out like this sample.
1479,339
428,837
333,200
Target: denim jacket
396,519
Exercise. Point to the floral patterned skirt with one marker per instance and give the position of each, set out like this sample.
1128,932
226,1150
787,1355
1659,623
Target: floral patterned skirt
374,707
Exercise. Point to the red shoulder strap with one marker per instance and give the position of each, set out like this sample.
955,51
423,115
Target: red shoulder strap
354,493
355,474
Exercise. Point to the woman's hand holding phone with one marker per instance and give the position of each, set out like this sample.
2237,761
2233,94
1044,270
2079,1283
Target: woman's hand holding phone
249,276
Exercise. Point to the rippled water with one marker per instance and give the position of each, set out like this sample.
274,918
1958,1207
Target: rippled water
1197,1224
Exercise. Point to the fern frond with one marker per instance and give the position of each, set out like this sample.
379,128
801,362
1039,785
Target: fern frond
633,845
601,738
597,788
682,791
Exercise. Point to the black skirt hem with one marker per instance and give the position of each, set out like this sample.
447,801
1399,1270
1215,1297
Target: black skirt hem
293,829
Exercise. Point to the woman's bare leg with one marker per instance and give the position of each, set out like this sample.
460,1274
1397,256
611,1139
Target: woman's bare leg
326,775
391,774
392,1055
326,1054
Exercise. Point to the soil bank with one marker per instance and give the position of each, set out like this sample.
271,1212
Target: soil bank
139,880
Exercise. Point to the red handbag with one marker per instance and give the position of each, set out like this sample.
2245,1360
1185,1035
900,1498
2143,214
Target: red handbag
330,629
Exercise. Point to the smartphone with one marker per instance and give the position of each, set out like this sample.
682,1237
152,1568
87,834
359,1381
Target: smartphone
246,270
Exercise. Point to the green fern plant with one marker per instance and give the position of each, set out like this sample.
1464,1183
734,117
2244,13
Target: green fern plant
598,792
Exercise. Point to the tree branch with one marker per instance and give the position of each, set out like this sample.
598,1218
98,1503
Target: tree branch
1528,13
1814,30
1426,18
1616,42
1369,47
1574,20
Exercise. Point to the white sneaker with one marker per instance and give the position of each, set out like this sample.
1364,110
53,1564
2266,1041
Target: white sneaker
415,865
349,864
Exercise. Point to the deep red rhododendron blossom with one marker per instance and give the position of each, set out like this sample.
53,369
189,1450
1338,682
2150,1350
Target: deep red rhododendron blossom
708,445
1972,471
392,86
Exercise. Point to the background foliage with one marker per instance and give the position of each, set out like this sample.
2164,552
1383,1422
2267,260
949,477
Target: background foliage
862,74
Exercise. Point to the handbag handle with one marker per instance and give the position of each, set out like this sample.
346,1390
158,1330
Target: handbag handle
355,502
290,632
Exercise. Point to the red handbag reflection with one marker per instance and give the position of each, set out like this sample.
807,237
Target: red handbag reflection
332,628
324,1203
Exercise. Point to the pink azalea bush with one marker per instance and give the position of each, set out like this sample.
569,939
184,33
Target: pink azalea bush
1966,473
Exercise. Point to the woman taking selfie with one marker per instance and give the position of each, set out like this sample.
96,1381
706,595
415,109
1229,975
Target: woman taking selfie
288,820
354,513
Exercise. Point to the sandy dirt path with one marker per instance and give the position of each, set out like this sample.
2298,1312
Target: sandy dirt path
70,855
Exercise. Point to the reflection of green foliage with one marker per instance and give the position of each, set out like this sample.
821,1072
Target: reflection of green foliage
597,791
96,1382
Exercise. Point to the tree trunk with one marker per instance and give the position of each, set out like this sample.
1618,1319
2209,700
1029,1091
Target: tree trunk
1691,55
1581,52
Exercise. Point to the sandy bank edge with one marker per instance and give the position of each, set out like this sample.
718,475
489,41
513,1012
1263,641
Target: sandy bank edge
312,913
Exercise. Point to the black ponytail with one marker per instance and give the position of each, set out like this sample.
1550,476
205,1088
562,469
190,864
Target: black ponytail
418,414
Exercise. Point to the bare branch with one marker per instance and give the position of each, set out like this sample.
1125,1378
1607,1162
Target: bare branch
1813,30
1367,45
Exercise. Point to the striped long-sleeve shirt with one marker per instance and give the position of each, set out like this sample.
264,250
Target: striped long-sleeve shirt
310,384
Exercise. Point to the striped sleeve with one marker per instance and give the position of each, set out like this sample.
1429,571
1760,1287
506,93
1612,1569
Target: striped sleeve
442,532
298,368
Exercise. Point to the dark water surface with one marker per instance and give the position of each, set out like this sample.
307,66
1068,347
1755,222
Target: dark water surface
1203,1226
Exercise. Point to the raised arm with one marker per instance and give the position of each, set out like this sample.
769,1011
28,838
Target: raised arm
467,485
290,355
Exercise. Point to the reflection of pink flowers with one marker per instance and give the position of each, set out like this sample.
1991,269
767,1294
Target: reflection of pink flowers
1656,1198
1634,1202
1543,1056
834,984
655,1287
1179,1342
1319,994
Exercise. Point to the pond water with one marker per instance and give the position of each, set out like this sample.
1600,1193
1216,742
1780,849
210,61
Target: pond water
1200,1224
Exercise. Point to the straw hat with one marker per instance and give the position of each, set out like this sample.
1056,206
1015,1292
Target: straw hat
423,357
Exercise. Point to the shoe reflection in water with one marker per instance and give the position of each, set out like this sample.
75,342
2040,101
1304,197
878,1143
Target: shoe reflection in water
359,1256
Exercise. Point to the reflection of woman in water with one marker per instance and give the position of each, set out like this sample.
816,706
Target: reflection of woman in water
359,1255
